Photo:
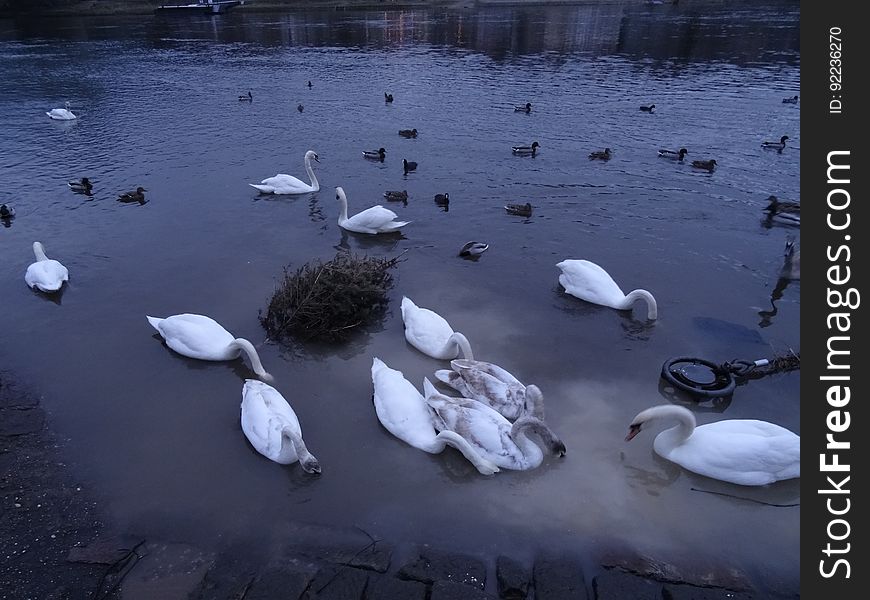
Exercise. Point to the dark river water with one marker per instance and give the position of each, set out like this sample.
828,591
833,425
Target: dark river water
158,436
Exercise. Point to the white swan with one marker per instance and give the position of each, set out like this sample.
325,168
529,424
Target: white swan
589,282
198,336
495,387
431,334
61,114
741,451
287,184
404,413
493,436
45,274
272,427
376,219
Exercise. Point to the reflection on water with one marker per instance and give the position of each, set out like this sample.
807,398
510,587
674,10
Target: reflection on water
159,434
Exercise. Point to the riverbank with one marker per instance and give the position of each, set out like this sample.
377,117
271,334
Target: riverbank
58,547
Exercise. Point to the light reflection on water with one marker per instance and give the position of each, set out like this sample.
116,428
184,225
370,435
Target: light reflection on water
158,434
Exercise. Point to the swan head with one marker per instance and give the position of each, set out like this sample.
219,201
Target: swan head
339,194
536,426
310,465
311,154
684,415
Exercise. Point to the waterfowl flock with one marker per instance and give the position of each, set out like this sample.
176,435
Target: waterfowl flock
497,422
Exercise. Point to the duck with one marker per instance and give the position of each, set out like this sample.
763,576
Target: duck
649,108
201,337
246,97
431,334
601,155
376,219
586,280
137,196
473,249
408,133
300,108
81,186
287,184
309,85
704,164
409,165
526,108
442,199
46,274
6,212
272,427
775,145
494,386
378,154
674,155
403,411
522,210
741,451
388,97
792,100
530,150
396,196
784,211
791,264
61,114
490,434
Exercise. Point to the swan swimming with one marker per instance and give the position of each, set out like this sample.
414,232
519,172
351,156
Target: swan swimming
376,219
403,411
62,114
198,336
287,184
272,427
431,334
587,281
495,387
741,451
493,436
46,274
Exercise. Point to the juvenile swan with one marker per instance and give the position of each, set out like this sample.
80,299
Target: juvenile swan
589,282
431,334
198,336
404,413
741,451
494,386
493,436
272,427
287,184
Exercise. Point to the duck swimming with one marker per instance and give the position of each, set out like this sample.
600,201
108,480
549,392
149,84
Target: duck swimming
741,451
775,145
81,186
649,108
522,210
388,97
527,108
396,196
792,100
442,199
789,212
246,97
704,164
6,211
378,154
137,196
680,155
408,165
605,155
526,150
473,249
408,133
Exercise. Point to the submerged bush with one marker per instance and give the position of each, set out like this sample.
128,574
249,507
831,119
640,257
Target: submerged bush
328,300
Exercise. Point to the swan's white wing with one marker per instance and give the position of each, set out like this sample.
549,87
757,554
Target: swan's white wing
197,336
281,181
742,451
589,282
507,399
401,409
376,218
47,275
61,114
264,416
426,330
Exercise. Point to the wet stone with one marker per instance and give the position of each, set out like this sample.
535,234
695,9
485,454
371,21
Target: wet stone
616,585
17,421
431,566
385,587
105,551
169,571
337,583
373,557
673,591
450,590
513,579
229,577
558,579
279,584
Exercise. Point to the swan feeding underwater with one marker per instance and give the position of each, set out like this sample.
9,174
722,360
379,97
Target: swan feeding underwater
587,281
431,334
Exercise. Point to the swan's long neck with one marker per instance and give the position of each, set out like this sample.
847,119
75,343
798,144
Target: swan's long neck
39,251
306,459
685,422
314,183
342,216
652,308
531,451
534,402
451,438
461,341
248,348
